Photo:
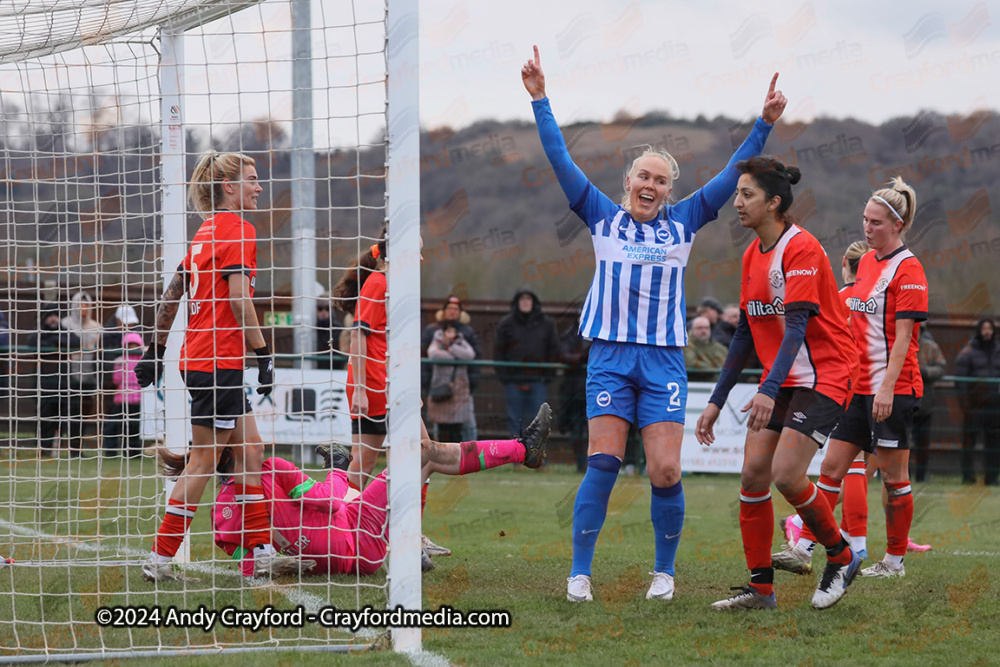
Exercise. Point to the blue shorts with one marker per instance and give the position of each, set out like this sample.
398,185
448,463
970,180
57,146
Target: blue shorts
643,384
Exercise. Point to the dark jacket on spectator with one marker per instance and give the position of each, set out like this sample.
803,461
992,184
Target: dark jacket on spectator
980,359
932,366
576,352
4,330
530,337
723,332
53,363
468,333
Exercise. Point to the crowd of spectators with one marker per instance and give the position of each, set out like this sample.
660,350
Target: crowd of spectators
80,391
525,335
84,375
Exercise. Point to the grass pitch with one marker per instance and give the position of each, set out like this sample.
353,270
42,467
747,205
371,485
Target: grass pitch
510,533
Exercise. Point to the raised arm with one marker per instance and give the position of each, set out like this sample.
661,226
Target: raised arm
704,205
571,178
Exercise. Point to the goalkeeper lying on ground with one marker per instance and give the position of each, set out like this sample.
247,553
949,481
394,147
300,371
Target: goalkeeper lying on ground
311,519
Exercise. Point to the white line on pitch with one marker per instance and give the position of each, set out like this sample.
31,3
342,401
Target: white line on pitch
427,659
311,602
975,553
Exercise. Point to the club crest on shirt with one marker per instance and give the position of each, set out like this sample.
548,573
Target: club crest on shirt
882,283
227,512
777,280
662,234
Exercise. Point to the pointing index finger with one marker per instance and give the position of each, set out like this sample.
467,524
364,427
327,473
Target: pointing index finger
770,91
538,60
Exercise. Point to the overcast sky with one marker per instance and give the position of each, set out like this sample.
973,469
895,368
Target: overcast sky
867,60
850,58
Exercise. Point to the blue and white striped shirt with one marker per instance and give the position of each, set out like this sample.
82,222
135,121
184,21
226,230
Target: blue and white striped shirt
637,294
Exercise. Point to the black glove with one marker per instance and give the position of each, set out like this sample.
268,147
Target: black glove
265,371
149,370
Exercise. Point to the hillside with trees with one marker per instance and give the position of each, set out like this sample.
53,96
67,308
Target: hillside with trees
81,206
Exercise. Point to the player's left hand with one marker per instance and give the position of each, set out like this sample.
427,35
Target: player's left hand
265,371
882,405
533,78
774,103
760,407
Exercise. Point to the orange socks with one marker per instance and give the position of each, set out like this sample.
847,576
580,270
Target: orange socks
757,528
175,524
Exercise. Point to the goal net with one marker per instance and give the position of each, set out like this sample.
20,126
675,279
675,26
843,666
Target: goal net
105,108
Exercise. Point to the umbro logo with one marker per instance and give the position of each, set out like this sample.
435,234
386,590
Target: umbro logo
799,417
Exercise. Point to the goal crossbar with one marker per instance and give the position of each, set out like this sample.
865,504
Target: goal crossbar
30,30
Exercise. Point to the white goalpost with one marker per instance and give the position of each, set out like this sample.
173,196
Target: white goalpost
105,106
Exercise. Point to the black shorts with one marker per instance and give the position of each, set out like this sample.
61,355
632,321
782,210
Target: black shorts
218,399
373,425
859,427
806,411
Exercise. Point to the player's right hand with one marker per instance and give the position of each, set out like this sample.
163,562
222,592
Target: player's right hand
359,404
704,431
533,78
149,370
774,103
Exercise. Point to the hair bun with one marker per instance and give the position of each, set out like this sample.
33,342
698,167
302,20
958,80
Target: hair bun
793,174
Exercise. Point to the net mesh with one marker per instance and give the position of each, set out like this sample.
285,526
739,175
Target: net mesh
83,263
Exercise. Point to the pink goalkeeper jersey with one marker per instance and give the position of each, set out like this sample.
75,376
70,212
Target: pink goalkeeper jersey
310,519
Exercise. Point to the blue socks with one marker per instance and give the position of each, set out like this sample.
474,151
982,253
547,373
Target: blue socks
591,508
666,509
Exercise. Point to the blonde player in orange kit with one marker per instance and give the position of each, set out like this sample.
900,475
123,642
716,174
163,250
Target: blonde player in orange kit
793,316
218,274
888,301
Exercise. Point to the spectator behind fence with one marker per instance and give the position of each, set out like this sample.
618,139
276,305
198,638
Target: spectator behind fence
83,363
572,414
981,401
125,416
4,354
449,401
703,356
525,334
451,312
932,366
709,308
58,408
123,320
327,339
726,326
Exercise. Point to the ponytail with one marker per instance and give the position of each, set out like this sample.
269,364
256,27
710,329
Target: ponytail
853,255
172,465
345,292
901,201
